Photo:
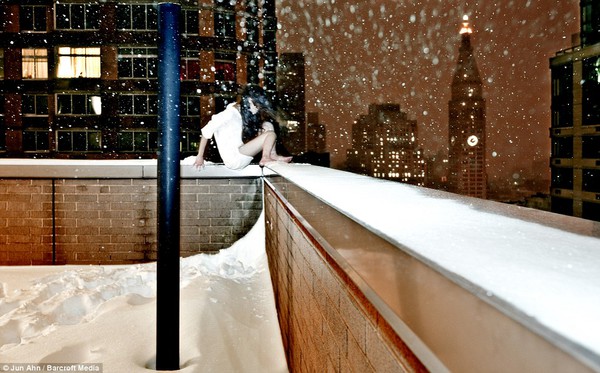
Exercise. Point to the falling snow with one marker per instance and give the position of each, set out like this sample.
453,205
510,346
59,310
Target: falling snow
412,46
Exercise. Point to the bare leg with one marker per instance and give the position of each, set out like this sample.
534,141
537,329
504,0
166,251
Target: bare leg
264,142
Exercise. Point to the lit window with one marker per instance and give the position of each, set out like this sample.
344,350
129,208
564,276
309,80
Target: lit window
77,16
1,63
35,63
78,62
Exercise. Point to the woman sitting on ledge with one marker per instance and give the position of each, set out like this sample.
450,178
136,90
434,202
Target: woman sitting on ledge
242,131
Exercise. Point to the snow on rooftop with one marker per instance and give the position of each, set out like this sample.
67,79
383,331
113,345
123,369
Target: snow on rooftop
106,314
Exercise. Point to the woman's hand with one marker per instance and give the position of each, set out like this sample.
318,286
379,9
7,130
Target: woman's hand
199,163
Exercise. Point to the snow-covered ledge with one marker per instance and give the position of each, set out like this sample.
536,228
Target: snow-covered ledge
133,168
538,269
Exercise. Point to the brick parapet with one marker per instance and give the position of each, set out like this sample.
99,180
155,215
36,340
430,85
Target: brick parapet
113,221
327,324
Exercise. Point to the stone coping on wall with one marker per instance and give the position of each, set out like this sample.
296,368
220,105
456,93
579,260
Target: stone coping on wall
134,168
537,268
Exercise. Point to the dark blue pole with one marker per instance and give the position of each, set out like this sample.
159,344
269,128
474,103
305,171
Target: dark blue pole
167,271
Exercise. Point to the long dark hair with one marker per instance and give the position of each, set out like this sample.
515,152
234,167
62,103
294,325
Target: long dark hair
252,123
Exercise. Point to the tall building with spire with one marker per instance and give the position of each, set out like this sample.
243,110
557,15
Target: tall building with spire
466,158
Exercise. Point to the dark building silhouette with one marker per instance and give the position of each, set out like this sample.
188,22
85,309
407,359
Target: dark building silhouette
384,145
291,86
78,79
575,127
316,136
466,157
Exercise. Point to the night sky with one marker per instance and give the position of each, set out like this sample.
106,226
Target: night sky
405,51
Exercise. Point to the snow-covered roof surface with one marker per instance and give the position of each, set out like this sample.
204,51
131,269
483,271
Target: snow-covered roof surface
545,265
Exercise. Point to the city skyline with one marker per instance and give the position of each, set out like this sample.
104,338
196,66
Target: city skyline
388,52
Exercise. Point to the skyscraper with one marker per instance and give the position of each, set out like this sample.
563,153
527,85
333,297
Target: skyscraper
575,131
78,79
291,100
466,158
384,145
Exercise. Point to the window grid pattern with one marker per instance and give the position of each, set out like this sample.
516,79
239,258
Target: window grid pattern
36,140
137,141
138,104
138,63
34,104
79,62
32,18
137,17
78,104
79,141
77,16
35,63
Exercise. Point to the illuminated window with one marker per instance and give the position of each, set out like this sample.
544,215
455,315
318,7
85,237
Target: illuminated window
137,17
78,104
35,63
138,104
79,140
78,62
1,63
138,62
32,18
77,16
36,140
137,141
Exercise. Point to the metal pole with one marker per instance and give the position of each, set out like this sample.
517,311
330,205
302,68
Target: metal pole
167,271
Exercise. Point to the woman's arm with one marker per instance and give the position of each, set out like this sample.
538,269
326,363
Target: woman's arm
199,163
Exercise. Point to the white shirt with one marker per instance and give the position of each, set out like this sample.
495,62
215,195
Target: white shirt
226,127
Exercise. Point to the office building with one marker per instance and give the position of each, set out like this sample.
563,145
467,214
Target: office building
575,127
384,145
291,87
78,79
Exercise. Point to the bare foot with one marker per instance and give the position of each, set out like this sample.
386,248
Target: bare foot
281,158
264,160
278,158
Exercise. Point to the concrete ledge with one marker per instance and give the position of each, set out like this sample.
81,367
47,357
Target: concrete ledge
467,284
98,169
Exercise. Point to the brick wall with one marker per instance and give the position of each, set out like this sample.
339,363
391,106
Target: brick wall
101,221
327,324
